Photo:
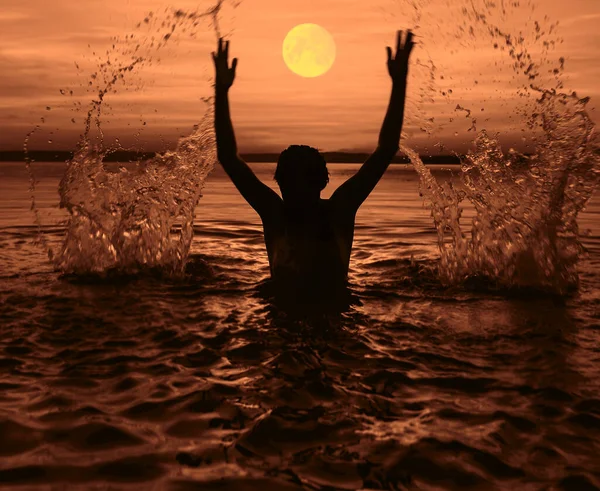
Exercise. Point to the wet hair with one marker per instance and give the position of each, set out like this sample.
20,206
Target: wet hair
304,159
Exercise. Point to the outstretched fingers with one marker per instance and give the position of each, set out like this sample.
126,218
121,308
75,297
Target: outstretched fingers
398,41
222,51
404,43
221,58
408,44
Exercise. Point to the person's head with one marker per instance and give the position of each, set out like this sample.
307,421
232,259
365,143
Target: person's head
301,173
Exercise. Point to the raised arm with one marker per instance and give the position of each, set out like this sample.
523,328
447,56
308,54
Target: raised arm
355,190
257,194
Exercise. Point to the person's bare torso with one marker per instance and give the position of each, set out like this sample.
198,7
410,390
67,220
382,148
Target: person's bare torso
310,247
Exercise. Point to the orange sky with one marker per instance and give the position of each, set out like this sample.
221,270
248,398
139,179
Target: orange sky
41,41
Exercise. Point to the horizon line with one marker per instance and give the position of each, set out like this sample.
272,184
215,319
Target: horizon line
254,157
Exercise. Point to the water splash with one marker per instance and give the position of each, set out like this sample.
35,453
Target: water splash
524,233
141,216
125,220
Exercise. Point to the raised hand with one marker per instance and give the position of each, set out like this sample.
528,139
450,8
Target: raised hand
398,66
224,76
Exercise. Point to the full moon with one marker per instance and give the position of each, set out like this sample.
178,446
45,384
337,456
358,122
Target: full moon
309,50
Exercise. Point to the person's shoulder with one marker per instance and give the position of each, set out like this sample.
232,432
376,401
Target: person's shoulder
274,212
328,203
339,209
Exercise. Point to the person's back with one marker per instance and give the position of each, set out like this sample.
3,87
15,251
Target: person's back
309,239
310,246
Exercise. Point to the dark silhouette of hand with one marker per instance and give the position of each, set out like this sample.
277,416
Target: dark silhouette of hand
398,66
224,76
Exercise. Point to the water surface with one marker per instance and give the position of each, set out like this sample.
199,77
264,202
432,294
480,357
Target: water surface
202,382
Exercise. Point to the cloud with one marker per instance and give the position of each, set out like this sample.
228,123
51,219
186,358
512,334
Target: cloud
41,42
580,18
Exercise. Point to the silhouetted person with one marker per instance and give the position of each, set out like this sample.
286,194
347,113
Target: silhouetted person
309,239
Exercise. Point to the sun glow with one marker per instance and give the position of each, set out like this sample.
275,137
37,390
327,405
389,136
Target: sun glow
309,50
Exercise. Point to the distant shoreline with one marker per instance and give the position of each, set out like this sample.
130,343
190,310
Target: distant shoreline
123,156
